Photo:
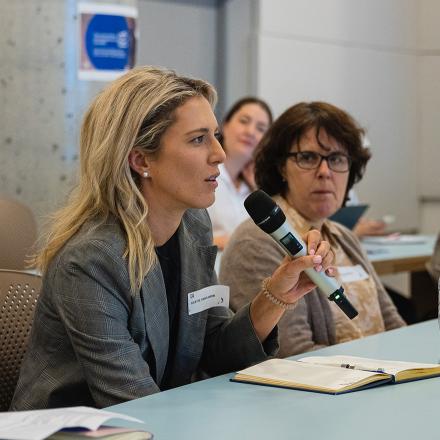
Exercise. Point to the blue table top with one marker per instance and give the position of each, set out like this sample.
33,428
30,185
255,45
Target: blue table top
219,409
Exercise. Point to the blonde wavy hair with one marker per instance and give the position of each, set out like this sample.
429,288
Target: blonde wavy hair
133,112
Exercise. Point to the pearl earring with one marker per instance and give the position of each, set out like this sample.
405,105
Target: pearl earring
145,174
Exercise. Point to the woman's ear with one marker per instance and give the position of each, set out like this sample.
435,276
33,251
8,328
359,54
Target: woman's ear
138,162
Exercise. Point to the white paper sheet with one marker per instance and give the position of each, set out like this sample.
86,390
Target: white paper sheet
39,424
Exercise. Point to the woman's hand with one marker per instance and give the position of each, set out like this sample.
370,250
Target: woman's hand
289,283
369,227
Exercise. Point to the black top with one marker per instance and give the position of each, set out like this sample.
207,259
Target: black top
169,259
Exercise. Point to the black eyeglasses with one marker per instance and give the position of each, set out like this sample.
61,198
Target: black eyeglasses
310,160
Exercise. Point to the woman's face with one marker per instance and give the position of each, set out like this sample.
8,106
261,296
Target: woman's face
244,130
318,193
183,173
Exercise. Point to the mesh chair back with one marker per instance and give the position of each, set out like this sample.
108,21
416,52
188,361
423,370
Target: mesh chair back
18,296
18,233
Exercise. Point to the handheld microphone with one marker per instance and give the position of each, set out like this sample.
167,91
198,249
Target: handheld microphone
271,219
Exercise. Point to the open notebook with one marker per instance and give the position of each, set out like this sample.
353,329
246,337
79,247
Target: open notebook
334,374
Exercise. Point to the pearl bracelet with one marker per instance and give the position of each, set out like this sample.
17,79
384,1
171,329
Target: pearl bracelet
273,299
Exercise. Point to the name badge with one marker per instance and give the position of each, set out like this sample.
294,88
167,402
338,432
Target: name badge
348,274
211,296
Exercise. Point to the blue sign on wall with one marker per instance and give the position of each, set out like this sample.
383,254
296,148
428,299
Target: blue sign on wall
108,41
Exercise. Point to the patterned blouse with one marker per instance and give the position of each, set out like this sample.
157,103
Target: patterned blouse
361,292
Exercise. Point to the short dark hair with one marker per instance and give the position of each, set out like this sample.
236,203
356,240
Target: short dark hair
240,103
272,151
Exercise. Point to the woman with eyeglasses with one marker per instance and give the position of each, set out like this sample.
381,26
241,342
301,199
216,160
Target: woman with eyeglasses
308,160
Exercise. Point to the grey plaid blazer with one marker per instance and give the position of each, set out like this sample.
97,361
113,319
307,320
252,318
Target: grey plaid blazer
91,339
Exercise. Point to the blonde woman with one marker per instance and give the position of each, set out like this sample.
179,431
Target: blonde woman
123,258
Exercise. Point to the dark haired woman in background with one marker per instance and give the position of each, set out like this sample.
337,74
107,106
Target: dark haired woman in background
308,160
243,127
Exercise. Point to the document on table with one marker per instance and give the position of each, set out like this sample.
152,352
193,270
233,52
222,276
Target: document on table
39,424
396,239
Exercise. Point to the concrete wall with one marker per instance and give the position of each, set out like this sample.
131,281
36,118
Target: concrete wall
38,102
42,101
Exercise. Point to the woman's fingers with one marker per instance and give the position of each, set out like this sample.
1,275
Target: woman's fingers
331,271
288,275
313,239
316,246
328,259
305,285
298,265
289,282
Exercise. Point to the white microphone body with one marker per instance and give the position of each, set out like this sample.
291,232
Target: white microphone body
286,237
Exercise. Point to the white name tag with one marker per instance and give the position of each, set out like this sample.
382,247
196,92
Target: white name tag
348,274
211,296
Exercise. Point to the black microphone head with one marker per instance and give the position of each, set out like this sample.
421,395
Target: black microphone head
264,211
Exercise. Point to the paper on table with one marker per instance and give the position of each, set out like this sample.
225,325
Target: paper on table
39,424
395,239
